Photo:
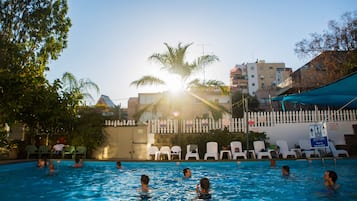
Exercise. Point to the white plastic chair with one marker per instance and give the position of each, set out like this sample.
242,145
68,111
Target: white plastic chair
259,147
337,152
192,152
165,150
284,149
153,152
212,150
176,151
305,146
236,149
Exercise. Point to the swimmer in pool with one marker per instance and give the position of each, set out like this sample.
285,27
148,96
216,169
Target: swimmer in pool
119,165
42,162
187,173
51,168
78,163
285,171
144,183
203,192
330,178
144,194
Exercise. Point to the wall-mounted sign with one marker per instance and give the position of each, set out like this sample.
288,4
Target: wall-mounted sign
318,135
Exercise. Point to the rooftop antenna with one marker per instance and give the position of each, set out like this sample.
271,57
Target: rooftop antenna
204,67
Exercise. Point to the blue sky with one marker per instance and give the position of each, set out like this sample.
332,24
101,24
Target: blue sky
110,40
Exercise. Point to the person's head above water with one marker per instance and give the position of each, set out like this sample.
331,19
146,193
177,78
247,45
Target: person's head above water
187,172
285,170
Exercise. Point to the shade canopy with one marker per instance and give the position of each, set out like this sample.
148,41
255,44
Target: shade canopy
341,93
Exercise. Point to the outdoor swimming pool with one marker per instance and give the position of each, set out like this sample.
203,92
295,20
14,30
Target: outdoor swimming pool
247,180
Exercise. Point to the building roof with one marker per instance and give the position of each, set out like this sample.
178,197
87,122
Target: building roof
106,101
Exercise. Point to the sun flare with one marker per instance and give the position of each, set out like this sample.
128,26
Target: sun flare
173,83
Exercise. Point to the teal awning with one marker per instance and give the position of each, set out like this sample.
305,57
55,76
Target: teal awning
341,93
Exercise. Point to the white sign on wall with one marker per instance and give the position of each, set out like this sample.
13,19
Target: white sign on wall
318,135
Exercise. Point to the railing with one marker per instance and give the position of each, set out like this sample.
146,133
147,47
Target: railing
255,119
119,123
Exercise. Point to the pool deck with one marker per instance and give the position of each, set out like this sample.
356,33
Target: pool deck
15,161
2,162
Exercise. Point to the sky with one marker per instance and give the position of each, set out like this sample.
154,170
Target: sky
110,40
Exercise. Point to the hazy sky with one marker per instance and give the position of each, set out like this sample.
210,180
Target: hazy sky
110,40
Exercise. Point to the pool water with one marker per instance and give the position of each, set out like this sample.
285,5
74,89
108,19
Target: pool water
231,180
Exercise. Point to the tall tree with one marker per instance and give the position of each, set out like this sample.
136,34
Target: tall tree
340,36
31,33
173,61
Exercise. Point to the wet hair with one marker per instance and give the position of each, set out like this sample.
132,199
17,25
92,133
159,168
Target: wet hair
286,168
332,175
118,163
185,171
145,179
204,183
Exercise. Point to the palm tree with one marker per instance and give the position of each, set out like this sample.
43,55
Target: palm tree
79,90
173,61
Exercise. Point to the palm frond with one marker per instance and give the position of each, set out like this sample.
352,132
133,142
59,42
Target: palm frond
218,84
148,80
205,60
196,84
87,85
173,60
70,81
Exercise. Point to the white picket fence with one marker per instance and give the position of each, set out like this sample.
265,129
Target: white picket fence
119,123
255,119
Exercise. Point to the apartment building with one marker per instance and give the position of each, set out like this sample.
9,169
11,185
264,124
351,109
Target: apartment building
239,79
258,79
251,77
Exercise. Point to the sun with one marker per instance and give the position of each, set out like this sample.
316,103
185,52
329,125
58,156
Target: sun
173,83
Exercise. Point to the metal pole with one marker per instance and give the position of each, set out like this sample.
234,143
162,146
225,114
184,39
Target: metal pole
246,120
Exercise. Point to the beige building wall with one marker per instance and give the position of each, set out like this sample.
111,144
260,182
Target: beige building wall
124,143
132,107
268,74
187,105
